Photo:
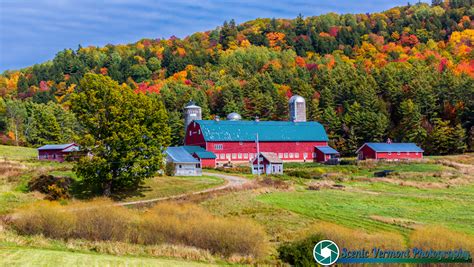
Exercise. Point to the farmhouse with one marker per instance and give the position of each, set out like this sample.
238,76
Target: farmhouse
389,151
267,163
184,164
57,152
235,140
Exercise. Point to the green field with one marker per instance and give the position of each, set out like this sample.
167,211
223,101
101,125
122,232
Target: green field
41,257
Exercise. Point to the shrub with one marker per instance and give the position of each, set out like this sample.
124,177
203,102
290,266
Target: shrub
314,174
101,220
169,169
236,169
299,253
54,187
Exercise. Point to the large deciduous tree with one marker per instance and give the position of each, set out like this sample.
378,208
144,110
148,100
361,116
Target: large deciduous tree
124,132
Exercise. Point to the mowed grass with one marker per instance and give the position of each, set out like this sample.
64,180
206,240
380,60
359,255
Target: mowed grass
17,256
18,152
360,203
164,186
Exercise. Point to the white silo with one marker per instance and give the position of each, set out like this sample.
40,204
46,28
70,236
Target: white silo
297,108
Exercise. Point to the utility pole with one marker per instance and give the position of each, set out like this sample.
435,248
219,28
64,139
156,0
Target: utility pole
258,158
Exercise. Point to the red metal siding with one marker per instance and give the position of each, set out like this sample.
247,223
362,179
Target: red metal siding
401,155
367,153
208,163
320,157
53,155
287,151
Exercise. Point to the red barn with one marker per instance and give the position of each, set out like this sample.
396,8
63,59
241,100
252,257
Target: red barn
235,141
207,158
389,151
56,152
325,153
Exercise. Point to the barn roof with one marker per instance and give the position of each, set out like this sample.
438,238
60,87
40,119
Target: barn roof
327,150
56,146
179,155
267,130
392,147
205,155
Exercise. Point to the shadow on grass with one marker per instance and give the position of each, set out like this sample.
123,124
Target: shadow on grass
83,190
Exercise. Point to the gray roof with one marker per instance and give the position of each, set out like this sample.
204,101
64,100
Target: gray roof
56,146
271,157
392,147
179,155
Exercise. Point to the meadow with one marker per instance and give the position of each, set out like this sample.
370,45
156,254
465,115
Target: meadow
428,203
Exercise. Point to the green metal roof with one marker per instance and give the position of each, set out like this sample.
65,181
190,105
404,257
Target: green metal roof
192,149
267,130
205,154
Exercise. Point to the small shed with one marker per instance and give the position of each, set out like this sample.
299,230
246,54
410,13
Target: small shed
389,151
325,153
57,152
184,163
268,162
207,158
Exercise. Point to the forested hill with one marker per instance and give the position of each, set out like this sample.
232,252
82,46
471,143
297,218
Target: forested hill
406,73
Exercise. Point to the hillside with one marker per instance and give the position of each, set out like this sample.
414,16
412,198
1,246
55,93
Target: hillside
406,73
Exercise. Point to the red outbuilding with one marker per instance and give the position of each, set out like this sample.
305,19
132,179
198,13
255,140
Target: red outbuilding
389,151
235,141
325,153
207,158
267,163
57,152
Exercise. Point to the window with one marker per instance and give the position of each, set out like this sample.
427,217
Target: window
285,155
246,156
234,156
280,155
222,156
199,131
239,156
218,146
190,133
297,155
180,166
291,155
227,156
305,155
46,156
198,165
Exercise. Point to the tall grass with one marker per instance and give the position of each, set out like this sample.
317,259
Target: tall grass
168,223
437,237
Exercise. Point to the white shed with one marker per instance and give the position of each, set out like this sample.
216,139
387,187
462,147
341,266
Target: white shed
184,163
268,162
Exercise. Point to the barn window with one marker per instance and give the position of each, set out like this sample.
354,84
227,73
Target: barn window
305,155
234,156
291,155
46,156
180,166
218,146
227,156
285,155
246,156
190,133
297,155
280,155
240,156
199,131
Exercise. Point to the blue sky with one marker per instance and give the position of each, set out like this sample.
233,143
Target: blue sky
33,31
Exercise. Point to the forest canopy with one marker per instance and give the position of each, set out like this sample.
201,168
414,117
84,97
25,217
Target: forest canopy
406,74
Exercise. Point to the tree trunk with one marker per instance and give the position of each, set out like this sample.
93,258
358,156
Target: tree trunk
108,188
